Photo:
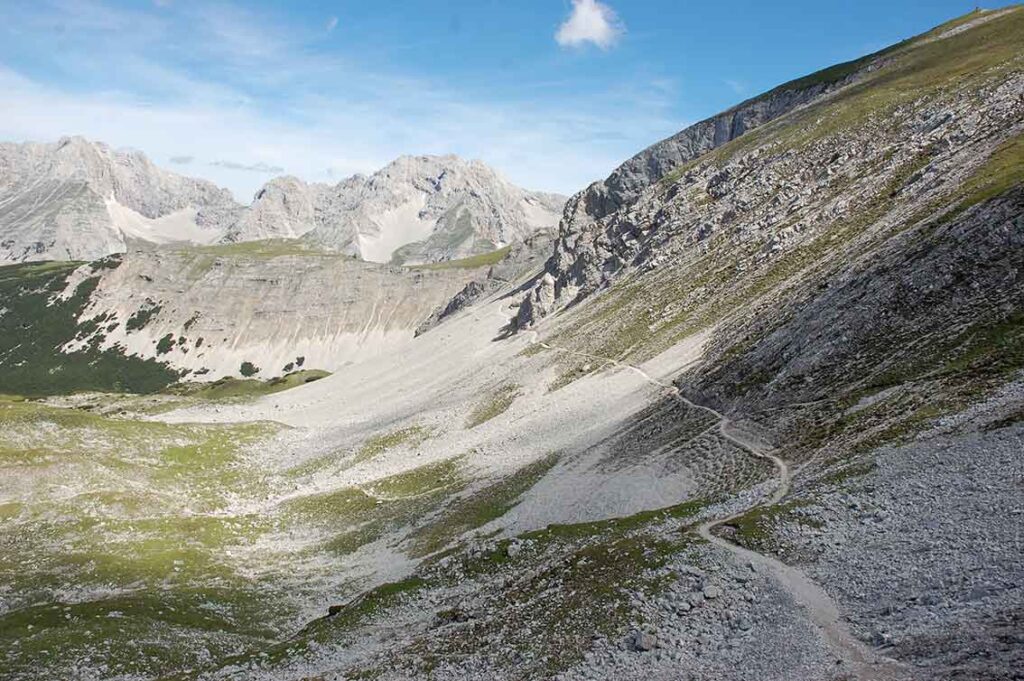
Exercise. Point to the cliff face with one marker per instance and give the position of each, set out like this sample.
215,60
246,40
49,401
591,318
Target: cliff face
207,311
625,185
79,200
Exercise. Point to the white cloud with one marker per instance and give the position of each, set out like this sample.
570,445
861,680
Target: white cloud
590,22
332,24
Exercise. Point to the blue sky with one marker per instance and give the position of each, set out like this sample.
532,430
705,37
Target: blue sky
553,93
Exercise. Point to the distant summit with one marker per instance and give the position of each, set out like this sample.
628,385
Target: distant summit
80,200
416,209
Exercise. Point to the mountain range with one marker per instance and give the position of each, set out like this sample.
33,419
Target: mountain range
82,200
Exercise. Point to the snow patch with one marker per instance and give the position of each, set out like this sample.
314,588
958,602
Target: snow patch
396,228
174,227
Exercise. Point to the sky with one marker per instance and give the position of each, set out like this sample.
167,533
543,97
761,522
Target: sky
552,93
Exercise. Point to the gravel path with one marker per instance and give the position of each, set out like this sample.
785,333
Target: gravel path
857,658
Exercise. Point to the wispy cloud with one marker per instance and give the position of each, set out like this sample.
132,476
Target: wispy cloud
249,167
332,24
590,22
181,160
737,86
222,82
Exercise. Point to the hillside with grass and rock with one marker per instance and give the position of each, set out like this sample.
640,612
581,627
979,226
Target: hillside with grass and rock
755,410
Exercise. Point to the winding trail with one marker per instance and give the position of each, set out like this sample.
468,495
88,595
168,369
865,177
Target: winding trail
856,660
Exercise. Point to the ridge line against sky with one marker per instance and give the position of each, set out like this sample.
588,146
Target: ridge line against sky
552,93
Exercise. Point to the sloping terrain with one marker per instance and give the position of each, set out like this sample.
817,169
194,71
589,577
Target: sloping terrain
141,320
758,416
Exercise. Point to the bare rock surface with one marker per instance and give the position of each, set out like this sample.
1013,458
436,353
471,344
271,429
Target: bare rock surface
80,200
417,209
208,311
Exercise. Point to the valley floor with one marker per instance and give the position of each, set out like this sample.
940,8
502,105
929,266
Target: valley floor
467,520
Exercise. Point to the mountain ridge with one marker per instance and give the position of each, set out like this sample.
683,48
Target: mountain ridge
81,200
415,209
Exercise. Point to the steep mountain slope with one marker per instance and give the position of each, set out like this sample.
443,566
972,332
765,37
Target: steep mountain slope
416,209
80,200
835,151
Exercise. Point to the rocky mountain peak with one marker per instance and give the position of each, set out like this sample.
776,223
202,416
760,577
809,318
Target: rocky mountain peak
415,209
79,199
76,200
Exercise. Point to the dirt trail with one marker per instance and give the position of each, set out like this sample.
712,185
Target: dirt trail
856,660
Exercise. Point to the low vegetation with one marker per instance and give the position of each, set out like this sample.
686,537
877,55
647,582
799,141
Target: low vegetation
151,575
248,369
230,388
411,437
141,317
472,262
494,405
36,325
479,508
267,248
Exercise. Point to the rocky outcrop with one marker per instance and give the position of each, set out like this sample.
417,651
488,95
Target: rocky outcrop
417,209
471,293
627,182
286,207
80,200
580,264
539,302
522,262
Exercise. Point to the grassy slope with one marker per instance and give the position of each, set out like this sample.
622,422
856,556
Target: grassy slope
155,548
117,541
230,388
472,262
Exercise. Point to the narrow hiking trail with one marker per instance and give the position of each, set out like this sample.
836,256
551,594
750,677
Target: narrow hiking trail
856,660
